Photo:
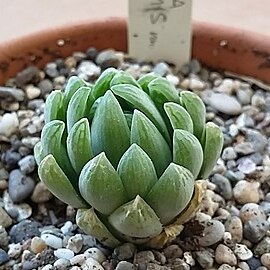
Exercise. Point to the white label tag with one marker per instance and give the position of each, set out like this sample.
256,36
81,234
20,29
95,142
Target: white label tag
160,30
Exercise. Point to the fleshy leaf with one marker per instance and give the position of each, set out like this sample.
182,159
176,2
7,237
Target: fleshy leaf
196,109
179,117
136,219
53,107
141,101
103,82
38,153
187,151
78,106
172,192
79,145
57,182
147,136
213,143
88,221
136,171
123,77
53,142
101,186
145,80
109,131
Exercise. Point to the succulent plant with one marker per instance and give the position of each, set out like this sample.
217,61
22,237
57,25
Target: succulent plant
127,154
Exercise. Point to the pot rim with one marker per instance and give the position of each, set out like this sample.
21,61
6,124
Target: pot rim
216,46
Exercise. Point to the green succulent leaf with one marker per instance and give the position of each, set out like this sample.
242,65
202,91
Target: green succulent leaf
53,106
109,131
213,143
179,117
101,186
79,145
123,77
196,109
57,182
145,80
136,171
78,106
89,222
172,192
147,136
53,142
187,151
136,219
141,101
103,82
38,153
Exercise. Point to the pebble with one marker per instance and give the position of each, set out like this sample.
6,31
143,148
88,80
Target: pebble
3,257
30,74
91,264
263,246
9,124
88,70
45,86
226,267
75,243
161,69
11,93
228,153
255,229
96,254
109,58
254,263
265,259
196,84
124,265
61,264
32,92
67,228
4,238
37,245
180,264
246,192
51,70
212,233
173,251
226,87
244,96
78,259
244,120
27,164
250,211
223,185
225,104
205,258
5,219
14,250
24,230
64,253
195,66
247,166
125,251
41,194
20,186
224,255
52,240
235,227
244,148
242,252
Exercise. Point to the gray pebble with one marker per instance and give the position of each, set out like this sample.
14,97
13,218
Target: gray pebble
51,70
4,237
142,258
29,75
247,166
235,227
5,219
244,96
12,158
228,153
125,251
195,66
24,230
255,229
45,86
244,120
27,164
263,246
224,187
109,58
124,265
265,206
20,186
161,69
235,176
224,255
180,264
205,258
61,264
3,257
11,93
257,140
242,252
172,252
251,211
244,148
254,263
212,233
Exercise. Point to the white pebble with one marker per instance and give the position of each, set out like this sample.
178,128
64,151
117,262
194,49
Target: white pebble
247,166
52,240
242,252
67,228
48,267
91,264
75,243
78,259
9,124
61,264
196,84
32,92
64,253
14,250
172,79
96,254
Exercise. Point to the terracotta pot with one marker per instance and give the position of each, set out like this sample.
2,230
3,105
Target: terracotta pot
218,47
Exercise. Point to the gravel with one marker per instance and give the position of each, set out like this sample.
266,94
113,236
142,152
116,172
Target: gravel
231,231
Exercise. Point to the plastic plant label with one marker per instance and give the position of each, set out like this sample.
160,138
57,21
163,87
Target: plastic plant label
160,30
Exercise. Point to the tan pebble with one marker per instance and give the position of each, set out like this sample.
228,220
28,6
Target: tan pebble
3,184
265,259
235,227
250,211
78,259
41,194
243,266
224,255
37,245
246,192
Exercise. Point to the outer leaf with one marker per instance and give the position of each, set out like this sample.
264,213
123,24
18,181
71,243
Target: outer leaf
57,182
145,80
213,143
196,109
79,145
136,219
53,142
109,131
103,82
146,135
179,117
78,106
187,151
38,153
141,101
89,222
101,186
123,77
136,171
53,106
171,194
